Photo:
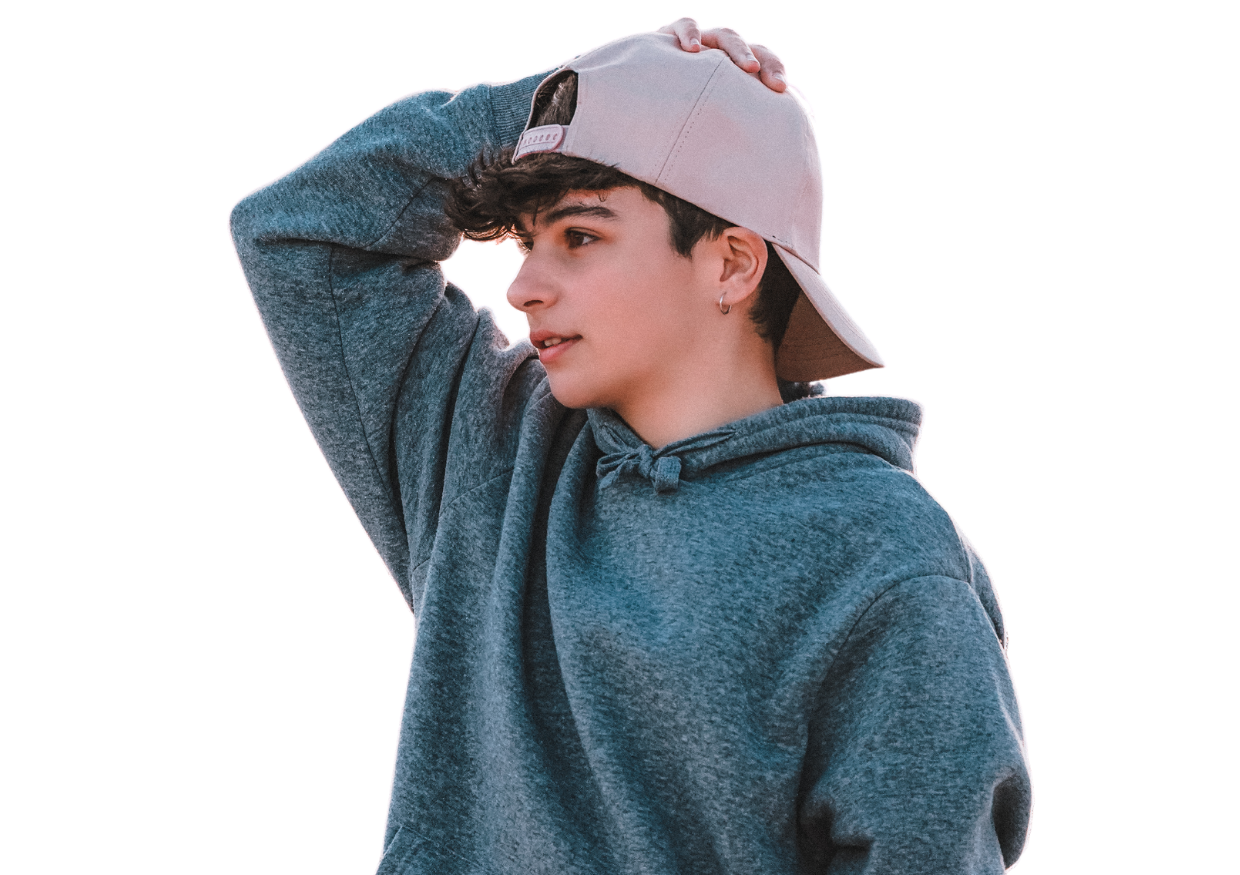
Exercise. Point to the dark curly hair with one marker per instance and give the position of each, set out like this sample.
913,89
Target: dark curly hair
486,203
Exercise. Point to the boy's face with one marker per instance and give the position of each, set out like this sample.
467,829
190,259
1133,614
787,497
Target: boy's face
612,308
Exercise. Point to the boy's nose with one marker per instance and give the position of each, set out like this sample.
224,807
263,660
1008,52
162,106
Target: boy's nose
530,288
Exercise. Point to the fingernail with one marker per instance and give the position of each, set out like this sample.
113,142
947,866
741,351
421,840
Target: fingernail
695,43
779,77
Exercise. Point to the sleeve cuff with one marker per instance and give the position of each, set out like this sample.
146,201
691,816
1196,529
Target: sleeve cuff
510,106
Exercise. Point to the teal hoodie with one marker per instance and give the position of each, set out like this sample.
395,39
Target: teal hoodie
761,649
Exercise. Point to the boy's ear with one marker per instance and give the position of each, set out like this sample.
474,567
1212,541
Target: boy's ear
743,254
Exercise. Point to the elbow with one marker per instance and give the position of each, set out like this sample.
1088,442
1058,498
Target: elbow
241,222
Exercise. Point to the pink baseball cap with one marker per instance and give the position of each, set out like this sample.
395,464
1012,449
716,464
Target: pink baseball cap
701,128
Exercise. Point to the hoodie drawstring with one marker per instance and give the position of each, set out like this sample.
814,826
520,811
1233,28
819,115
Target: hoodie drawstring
662,471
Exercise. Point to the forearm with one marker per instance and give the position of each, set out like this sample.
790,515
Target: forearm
379,188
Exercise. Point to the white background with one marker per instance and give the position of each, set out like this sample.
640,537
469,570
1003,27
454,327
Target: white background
1031,208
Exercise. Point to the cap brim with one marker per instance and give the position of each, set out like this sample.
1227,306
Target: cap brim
821,340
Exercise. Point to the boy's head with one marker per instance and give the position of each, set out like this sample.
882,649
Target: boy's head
732,169
498,195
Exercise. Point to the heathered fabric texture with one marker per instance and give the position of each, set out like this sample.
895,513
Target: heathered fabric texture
762,649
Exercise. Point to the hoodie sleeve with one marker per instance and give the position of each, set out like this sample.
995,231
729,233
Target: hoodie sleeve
342,257
916,761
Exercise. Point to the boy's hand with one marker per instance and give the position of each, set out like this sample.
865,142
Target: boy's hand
751,59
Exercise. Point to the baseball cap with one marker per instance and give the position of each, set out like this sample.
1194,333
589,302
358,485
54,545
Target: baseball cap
699,127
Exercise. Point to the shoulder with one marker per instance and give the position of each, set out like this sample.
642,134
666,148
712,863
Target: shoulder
880,518
869,509
868,523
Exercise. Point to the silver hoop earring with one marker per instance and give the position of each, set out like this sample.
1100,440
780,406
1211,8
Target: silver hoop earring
724,310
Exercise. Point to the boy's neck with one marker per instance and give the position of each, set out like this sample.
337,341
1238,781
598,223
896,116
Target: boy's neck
687,404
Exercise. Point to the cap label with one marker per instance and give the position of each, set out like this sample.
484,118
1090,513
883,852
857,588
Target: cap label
545,138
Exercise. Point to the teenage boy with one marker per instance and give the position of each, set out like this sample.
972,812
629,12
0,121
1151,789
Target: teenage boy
667,623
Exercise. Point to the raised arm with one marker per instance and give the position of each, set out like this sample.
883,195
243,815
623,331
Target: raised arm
342,256
412,396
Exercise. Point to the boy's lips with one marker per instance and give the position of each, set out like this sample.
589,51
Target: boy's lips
551,345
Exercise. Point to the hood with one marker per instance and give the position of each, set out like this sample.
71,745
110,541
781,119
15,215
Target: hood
885,427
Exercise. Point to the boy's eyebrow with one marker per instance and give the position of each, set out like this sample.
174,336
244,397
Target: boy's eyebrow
597,211
564,211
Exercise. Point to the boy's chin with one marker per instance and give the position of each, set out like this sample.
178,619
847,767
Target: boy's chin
571,393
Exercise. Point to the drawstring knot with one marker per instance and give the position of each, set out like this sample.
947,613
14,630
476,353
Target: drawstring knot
625,454
662,471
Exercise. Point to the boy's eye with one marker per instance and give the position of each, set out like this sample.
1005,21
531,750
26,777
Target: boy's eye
577,238
525,244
